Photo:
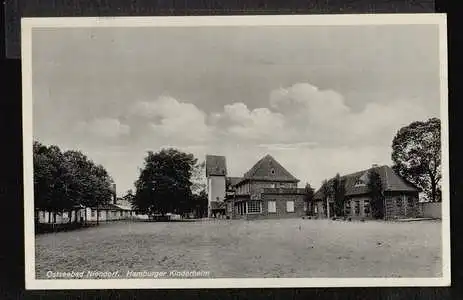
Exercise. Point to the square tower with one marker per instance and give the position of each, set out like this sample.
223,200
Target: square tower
216,173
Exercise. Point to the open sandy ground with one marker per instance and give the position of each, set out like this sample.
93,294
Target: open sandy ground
236,248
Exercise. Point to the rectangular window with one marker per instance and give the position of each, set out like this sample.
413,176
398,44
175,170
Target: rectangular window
315,209
272,206
366,207
254,207
410,201
305,206
93,213
347,207
272,185
121,213
357,207
289,206
398,202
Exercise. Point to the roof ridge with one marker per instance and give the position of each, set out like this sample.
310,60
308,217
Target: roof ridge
260,163
362,171
255,167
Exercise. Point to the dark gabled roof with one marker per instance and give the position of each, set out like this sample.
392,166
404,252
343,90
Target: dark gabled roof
284,191
391,182
216,165
268,168
232,181
108,206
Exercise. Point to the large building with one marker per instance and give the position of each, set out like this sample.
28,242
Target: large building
267,190
400,197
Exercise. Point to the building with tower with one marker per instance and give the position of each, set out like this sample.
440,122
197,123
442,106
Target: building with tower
267,190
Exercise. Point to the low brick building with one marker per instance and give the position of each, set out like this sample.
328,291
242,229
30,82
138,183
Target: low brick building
267,190
400,197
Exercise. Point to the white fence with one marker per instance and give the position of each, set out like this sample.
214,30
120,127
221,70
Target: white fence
430,210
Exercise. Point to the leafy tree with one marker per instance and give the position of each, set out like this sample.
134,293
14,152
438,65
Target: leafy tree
375,187
338,194
52,177
129,196
325,190
200,203
43,178
199,178
102,189
308,198
91,183
416,153
164,184
64,180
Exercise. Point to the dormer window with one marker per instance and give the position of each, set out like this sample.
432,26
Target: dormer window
359,182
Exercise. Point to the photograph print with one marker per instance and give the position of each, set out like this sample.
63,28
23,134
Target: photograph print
252,151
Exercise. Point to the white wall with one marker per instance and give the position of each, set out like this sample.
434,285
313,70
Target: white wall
85,214
216,188
46,217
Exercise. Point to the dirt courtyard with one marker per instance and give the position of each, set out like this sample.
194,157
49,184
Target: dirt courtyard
244,249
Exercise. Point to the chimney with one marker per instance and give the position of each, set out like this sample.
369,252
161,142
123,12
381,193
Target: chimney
114,193
374,165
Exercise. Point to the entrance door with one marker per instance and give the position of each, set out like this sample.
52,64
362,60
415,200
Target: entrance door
357,207
331,209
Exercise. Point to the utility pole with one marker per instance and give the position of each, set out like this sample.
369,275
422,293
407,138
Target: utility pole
328,207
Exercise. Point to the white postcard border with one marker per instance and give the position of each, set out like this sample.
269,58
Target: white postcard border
28,24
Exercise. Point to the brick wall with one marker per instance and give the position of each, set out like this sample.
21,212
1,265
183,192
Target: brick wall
280,201
362,200
401,205
256,186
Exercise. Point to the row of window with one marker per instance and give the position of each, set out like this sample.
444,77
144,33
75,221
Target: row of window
254,207
246,189
272,206
113,213
399,202
366,207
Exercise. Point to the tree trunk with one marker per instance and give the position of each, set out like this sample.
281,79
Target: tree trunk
433,190
327,208
49,216
97,217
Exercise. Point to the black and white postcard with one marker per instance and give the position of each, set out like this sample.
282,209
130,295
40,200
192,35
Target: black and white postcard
235,152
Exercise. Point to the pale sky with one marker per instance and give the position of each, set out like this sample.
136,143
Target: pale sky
319,99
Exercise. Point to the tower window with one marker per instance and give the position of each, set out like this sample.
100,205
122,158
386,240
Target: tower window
272,171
